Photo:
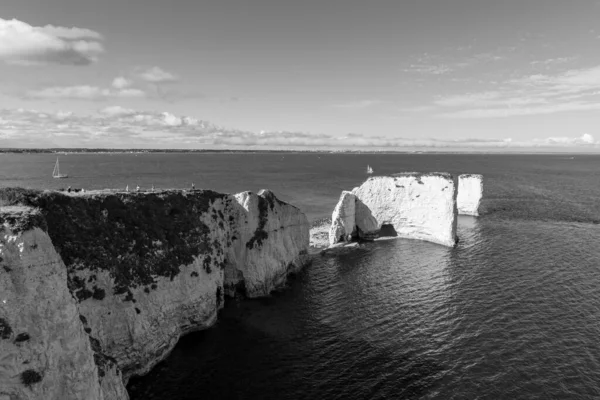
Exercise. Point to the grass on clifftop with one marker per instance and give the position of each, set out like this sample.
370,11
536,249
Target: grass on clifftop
13,196
19,219
134,236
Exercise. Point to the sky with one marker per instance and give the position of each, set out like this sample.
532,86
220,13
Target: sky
481,75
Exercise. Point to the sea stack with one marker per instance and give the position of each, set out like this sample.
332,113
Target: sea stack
99,287
411,205
343,220
470,191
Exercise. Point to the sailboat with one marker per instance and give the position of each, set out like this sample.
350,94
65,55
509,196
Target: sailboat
56,173
369,169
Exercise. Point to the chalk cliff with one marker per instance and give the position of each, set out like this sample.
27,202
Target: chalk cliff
269,240
44,351
343,221
417,206
470,191
106,283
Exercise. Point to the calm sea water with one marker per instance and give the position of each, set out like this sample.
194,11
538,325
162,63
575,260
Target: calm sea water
512,312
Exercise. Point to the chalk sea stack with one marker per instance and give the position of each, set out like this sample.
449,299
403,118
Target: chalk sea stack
98,287
470,191
411,205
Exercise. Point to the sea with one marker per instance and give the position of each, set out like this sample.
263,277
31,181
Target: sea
512,312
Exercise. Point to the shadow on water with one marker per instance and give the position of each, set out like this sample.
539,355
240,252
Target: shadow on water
312,340
236,360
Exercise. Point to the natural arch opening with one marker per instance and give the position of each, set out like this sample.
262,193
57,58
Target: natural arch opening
387,230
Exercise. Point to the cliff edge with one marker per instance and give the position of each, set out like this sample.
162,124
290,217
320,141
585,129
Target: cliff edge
98,287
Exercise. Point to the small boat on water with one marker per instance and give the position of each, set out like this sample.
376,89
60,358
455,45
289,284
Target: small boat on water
56,173
369,169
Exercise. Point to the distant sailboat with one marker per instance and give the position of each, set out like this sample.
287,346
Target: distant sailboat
56,173
369,169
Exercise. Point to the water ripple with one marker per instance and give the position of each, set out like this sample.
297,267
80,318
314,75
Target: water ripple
512,312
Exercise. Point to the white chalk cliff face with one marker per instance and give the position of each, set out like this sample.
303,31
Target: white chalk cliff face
127,275
343,222
140,328
271,241
470,191
44,351
417,206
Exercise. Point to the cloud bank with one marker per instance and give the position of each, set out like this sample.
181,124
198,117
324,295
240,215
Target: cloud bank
120,127
538,94
84,92
23,44
136,86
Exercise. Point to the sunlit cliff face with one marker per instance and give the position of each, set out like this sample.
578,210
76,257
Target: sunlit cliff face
135,271
417,206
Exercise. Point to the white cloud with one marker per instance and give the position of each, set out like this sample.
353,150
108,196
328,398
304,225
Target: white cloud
116,126
170,120
585,139
428,69
538,94
72,92
23,44
128,93
115,111
64,114
553,61
138,85
157,75
516,111
83,92
71,33
572,81
121,82
454,59
484,58
190,121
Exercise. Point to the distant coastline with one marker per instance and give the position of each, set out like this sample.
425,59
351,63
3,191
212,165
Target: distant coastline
58,150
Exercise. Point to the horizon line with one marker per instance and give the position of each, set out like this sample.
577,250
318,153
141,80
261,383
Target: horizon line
5,150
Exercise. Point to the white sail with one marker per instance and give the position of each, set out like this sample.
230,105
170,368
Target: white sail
56,173
369,169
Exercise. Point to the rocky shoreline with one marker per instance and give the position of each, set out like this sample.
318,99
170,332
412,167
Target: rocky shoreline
319,234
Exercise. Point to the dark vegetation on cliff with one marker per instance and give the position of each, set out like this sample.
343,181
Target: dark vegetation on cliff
5,329
102,361
29,377
260,233
266,201
19,219
134,236
22,337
